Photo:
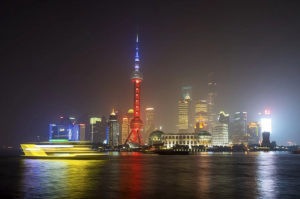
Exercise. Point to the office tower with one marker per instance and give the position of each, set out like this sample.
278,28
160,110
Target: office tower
201,110
125,129
187,96
85,119
224,118
266,121
254,131
211,96
220,134
183,116
60,131
136,124
113,130
76,132
149,128
240,123
95,131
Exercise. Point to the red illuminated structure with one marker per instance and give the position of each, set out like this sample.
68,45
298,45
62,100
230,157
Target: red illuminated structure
136,124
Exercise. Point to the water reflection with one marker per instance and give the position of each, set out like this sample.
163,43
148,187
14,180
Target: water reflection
59,178
266,175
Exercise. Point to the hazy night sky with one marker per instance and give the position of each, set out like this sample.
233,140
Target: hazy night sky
75,57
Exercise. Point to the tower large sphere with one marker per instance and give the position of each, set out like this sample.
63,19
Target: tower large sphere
136,123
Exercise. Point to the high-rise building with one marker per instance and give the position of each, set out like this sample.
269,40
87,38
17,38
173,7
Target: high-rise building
125,129
240,123
113,130
220,134
76,132
201,110
60,131
149,128
211,96
266,121
183,116
224,118
187,96
95,134
136,124
254,131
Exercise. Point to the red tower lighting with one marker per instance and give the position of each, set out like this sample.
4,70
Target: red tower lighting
136,124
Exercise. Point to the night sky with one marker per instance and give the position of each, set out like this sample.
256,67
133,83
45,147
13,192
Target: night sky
75,57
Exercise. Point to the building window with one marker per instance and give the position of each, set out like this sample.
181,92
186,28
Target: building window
173,142
191,142
169,142
176,142
169,137
188,137
176,137
163,137
180,142
184,137
187,142
192,137
172,137
180,138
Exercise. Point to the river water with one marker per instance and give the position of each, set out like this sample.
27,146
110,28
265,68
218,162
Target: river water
136,175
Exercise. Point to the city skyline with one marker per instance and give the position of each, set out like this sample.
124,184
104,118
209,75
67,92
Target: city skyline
53,69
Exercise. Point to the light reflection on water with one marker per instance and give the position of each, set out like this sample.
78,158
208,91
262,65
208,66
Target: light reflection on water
59,178
135,175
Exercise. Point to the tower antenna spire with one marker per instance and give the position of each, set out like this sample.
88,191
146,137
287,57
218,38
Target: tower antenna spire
137,58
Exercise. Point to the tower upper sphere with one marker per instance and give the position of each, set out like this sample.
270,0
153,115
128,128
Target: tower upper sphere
136,75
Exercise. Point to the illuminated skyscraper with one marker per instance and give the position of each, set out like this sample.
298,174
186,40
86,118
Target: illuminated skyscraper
224,118
113,130
254,131
136,124
183,116
94,130
125,129
220,134
266,122
201,109
149,128
211,96
240,123
187,96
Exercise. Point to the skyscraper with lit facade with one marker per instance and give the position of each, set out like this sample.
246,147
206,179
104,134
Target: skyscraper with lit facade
254,131
183,116
211,96
125,129
149,128
201,109
240,123
224,118
266,121
220,134
113,130
136,124
187,96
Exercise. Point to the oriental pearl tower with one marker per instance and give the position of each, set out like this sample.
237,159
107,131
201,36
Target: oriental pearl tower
136,124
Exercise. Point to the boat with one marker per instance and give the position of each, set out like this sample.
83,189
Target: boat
56,150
